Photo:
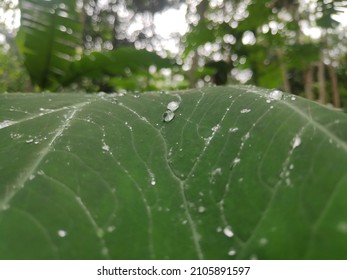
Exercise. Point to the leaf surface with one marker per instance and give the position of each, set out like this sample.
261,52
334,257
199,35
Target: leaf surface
234,174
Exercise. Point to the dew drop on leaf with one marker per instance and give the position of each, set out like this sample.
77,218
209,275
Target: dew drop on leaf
228,232
263,241
215,128
244,111
106,147
111,228
276,94
236,161
233,129
168,116
296,142
232,252
173,106
29,141
62,233
201,209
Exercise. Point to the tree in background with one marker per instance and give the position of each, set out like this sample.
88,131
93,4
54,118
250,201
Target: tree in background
268,43
109,45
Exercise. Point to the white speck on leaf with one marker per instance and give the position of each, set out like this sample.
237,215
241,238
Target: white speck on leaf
153,181
232,252
263,241
233,129
246,136
293,98
29,141
214,173
228,232
201,209
215,128
296,142
62,233
105,147
243,111
111,229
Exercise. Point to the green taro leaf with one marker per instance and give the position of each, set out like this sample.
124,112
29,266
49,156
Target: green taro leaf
238,173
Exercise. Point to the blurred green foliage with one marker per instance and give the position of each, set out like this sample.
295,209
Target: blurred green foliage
86,45
13,76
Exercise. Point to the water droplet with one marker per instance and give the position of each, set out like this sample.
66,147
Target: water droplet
217,171
215,128
243,111
293,98
31,177
246,136
233,129
29,141
263,241
296,142
219,229
276,94
6,123
106,147
184,222
291,167
232,252
62,233
173,106
152,177
236,161
268,101
168,116
111,228
40,172
201,209
228,232
16,135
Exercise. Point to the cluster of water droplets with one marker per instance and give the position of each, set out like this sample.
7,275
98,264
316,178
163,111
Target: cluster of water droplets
169,113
